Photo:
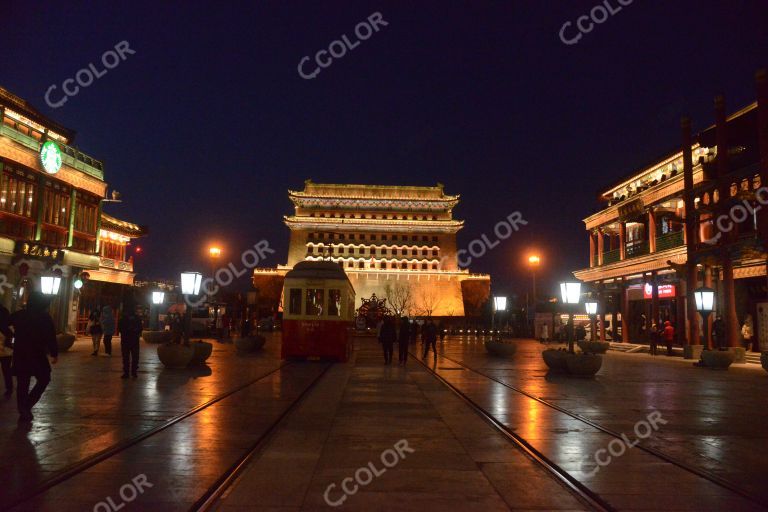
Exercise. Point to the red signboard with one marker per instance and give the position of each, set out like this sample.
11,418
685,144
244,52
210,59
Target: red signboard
665,291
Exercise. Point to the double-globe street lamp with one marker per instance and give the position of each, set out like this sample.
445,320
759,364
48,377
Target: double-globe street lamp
570,292
157,300
190,285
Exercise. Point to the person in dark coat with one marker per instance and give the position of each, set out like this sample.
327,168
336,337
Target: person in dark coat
130,332
414,332
429,338
108,327
403,337
387,337
653,338
718,332
6,350
35,340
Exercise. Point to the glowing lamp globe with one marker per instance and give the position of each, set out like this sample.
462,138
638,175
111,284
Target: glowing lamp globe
591,307
49,285
500,303
705,299
190,283
158,297
570,292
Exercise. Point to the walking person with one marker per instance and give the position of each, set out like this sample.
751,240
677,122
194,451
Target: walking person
429,338
95,330
718,332
653,338
669,336
387,338
441,331
108,327
747,331
414,332
35,340
403,338
130,332
6,350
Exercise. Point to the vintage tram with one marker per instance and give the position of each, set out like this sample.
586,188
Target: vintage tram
318,312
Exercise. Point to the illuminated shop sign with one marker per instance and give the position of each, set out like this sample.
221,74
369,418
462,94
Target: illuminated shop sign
50,157
665,291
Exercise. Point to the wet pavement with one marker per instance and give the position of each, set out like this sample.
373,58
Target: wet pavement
338,449
715,420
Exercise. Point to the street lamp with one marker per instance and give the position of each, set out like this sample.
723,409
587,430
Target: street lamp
499,304
157,299
591,308
705,303
190,285
571,295
215,253
50,285
533,261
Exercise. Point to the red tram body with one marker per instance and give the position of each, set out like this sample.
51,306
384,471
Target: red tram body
318,312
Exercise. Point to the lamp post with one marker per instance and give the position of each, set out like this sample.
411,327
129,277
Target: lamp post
157,299
705,303
499,304
215,254
591,308
49,285
190,285
571,294
533,262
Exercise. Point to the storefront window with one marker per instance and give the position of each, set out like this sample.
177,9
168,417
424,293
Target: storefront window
315,301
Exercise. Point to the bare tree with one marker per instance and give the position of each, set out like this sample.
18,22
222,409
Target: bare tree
400,297
427,301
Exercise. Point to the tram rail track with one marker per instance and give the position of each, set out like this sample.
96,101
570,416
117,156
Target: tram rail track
706,475
98,457
210,498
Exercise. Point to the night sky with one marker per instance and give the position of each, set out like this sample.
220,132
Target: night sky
205,128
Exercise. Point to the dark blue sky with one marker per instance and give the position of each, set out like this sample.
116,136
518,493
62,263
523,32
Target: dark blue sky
205,128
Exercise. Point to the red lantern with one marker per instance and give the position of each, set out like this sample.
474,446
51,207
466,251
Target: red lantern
23,270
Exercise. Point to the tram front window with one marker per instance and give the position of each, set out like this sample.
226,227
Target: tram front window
334,302
294,304
315,300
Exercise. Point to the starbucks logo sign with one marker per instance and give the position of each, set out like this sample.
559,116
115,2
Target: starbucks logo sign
50,157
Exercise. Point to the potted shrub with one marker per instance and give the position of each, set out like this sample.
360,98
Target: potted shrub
717,359
555,359
594,347
65,340
175,355
500,348
584,365
249,344
201,351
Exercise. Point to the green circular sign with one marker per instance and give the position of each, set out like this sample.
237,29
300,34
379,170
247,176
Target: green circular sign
50,157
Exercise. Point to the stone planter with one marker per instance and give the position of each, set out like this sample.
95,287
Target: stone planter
249,344
594,347
173,355
584,365
692,351
202,351
739,354
717,359
500,349
65,341
764,360
156,336
556,360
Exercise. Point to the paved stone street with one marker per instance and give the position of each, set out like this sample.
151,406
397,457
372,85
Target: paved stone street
359,411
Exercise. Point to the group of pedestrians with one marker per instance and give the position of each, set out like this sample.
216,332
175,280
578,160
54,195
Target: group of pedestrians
28,347
101,323
403,332
665,334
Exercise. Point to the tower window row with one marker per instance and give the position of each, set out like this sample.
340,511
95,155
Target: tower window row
372,251
372,216
372,237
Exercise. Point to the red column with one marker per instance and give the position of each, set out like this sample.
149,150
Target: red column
600,246
625,314
729,307
651,230
690,233
623,240
710,320
591,249
655,300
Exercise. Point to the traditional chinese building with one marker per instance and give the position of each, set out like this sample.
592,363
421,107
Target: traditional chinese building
51,220
692,218
391,241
